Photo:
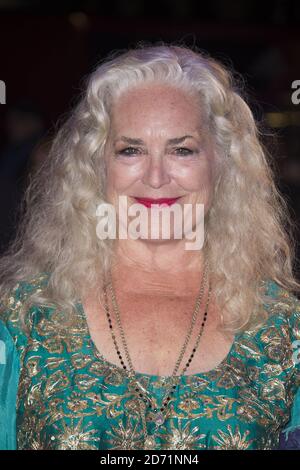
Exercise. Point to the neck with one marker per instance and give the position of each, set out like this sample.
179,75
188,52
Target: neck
164,268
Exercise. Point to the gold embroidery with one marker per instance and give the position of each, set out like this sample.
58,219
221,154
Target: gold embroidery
70,398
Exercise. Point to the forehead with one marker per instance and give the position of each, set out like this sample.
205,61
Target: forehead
156,104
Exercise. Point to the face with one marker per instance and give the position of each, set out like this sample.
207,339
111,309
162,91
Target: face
158,147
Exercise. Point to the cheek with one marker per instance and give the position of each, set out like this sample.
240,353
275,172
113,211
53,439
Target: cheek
196,178
121,176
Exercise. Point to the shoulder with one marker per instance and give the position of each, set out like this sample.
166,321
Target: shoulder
283,315
12,303
282,299
9,379
13,298
282,333
274,344
283,309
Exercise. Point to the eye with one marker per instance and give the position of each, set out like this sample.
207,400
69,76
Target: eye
184,151
128,151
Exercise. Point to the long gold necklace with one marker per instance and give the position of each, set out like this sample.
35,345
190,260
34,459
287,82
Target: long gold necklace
149,441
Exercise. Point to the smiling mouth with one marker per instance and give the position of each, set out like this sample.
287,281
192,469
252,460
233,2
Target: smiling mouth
148,202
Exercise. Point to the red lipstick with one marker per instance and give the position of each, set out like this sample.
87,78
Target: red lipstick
148,202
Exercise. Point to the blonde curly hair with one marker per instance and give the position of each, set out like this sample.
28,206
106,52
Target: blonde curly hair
249,232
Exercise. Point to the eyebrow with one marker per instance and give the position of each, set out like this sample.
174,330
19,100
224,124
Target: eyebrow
176,140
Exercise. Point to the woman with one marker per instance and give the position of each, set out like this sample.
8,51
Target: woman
138,342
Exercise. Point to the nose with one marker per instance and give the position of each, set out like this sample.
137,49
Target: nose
156,173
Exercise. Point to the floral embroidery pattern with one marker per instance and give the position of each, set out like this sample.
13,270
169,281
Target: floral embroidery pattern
70,397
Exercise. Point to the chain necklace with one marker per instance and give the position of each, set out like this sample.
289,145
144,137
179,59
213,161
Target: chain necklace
149,441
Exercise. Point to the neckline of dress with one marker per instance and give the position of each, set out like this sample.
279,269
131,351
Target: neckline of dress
204,375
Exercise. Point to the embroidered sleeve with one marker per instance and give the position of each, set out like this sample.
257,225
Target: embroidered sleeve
290,437
9,376
13,341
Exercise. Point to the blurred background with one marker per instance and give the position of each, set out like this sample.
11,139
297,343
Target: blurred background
46,50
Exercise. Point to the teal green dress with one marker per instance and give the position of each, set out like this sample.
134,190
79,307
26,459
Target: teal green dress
58,392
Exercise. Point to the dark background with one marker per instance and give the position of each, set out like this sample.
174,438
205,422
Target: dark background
46,49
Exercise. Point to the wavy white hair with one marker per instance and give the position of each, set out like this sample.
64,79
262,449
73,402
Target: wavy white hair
248,238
